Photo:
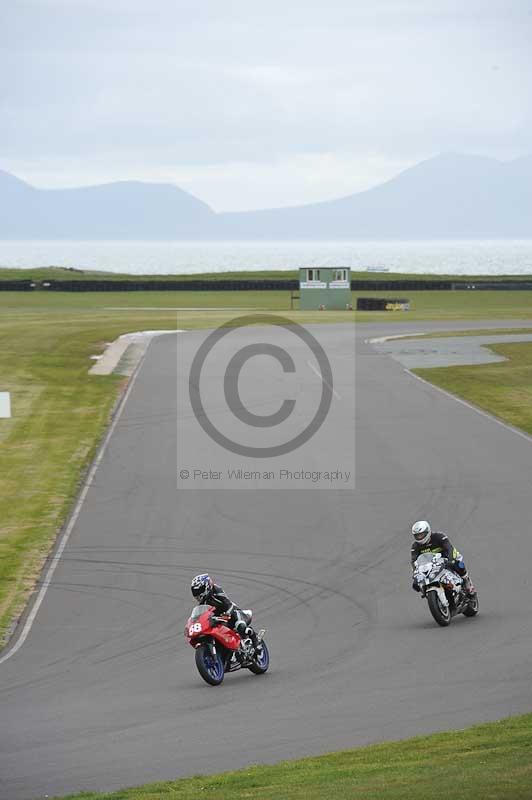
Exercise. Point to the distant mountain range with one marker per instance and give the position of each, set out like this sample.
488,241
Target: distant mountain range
448,196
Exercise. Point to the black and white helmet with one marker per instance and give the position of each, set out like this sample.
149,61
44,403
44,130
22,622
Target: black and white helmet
201,587
421,531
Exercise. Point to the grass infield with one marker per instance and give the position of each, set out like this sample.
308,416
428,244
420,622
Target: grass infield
504,388
425,305
492,761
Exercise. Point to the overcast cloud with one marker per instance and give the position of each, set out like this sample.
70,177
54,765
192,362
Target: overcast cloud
250,105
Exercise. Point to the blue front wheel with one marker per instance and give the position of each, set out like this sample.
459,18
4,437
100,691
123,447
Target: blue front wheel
210,665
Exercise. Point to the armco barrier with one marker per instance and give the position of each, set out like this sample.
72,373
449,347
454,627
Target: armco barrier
424,285
262,284
224,285
166,285
500,285
267,285
399,285
16,286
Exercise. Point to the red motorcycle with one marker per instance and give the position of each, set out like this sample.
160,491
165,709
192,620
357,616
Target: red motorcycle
220,649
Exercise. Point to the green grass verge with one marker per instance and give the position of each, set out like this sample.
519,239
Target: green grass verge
492,761
504,389
424,305
472,332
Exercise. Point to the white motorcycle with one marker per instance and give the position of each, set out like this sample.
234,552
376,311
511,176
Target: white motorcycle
443,589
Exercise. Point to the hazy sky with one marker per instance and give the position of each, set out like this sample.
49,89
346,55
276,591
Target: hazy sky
251,104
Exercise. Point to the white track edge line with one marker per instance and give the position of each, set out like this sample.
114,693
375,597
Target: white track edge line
472,407
315,371
72,521
383,339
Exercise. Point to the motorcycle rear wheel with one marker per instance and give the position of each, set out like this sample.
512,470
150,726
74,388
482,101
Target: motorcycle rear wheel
210,667
441,614
471,610
261,664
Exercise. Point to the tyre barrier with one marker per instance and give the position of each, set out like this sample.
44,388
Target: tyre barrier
383,304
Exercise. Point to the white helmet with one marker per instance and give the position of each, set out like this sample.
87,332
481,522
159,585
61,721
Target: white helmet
421,531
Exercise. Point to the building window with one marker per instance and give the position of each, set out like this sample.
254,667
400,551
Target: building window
340,275
313,275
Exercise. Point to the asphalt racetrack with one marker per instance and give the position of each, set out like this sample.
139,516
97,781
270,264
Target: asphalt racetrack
104,692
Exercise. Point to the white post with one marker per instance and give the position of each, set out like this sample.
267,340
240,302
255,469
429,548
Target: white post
5,405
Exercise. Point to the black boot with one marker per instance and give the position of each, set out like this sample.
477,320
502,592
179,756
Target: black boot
254,639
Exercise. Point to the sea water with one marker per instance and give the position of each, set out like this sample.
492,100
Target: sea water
472,257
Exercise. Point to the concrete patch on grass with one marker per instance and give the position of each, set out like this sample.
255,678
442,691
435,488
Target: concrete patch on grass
447,351
122,356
